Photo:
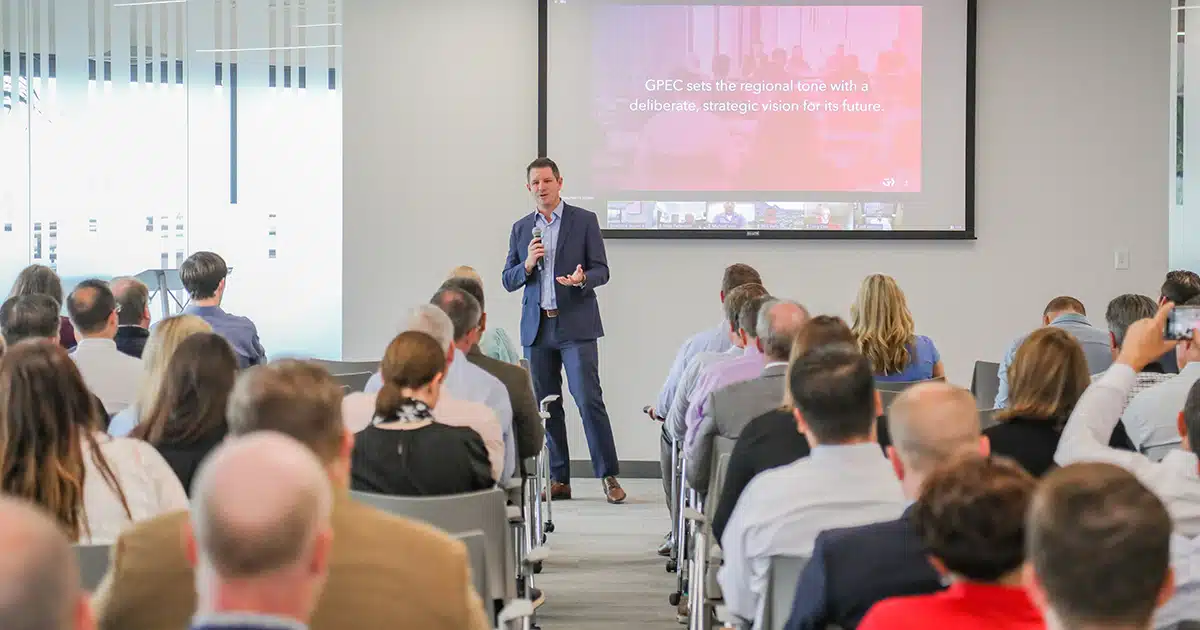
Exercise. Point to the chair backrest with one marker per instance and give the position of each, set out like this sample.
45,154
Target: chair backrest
93,564
782,575
985,383
348,367
1157,452
987,418
463,513
476,544
353,382
886,396
721,451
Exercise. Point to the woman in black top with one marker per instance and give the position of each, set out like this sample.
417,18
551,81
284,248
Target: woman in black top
188,419
1046,379
404,451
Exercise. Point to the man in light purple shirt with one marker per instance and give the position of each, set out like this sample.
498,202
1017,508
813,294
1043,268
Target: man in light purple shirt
749,365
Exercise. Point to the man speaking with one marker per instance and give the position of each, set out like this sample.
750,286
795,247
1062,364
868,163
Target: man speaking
557,254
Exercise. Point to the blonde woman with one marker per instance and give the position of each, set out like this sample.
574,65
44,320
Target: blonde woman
495,343
165,337
884,328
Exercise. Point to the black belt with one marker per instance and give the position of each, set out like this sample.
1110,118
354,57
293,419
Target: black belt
550,313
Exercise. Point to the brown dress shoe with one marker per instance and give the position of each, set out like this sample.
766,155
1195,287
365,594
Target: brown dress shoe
613,491
559,491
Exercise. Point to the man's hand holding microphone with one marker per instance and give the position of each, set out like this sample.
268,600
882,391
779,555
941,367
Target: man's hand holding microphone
537,251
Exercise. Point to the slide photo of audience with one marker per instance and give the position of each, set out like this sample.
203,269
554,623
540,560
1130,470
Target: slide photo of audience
730,215
754,215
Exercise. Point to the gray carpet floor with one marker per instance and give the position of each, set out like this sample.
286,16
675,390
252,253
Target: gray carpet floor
603,572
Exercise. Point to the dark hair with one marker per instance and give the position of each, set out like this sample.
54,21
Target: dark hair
48,423
202,273
834,390
1180,286
194,394
28,316
411,361
90,305
296,398
38,280
542,162
1125,309
736,298
1064,303
463,310
971,515
468,286
132,300
1191,417
748,316
1100,544
737,275
820,331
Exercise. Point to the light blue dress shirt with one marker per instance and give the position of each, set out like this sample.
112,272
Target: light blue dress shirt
467,381
549,241
711,340
239,331
1096,350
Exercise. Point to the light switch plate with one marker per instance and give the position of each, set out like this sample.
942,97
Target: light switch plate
1121,258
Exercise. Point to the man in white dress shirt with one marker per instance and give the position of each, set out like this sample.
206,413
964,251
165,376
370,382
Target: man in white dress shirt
1150,418
845,481
1176,479
112,375
359,408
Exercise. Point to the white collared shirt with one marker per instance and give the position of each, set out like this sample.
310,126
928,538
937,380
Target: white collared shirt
110,374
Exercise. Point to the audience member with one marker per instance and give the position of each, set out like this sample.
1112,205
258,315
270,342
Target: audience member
494,342
1178,287
1150,417
772,439
383,570
42,280
406,452
1122,311
853,569
204,275
109,373
188,420
886,335
1174,479
674,423
463,379
160,347
725,373
712,340
133,315
529,434
56,456
260,535
359,408
1067,313
38,570
33,316
845,481
971,517
1047,376
730,408
1078,586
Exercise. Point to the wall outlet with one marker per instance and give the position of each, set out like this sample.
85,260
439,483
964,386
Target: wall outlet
1121,258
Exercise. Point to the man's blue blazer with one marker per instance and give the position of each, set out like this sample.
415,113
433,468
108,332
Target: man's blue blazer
579,243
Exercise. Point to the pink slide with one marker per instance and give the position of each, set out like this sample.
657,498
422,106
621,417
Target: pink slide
762,98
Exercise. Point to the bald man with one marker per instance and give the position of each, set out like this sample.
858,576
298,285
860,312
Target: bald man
39,579
133,315
852,569
260,534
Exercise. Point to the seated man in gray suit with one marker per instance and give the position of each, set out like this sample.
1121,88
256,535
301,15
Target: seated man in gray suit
729,409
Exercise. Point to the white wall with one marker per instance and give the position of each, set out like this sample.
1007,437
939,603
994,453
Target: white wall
440,105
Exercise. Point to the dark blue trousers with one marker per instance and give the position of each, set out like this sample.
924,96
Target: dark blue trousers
547,358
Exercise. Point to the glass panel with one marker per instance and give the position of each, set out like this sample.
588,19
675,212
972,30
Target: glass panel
17,104
1185,210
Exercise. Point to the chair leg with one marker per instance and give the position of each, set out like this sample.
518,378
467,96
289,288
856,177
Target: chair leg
698,597
673,562
681,539
546,482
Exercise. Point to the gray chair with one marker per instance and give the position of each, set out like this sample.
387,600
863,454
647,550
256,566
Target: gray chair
353,382
476,544
782,575
93,564
1157,452
985,383
705,593
987,418
462,514
348,367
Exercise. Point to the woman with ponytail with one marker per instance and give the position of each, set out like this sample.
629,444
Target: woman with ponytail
404,451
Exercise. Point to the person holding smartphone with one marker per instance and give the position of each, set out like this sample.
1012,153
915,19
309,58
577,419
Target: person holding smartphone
1150,417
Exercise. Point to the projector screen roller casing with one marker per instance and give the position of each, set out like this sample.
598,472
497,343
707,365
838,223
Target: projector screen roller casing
739,119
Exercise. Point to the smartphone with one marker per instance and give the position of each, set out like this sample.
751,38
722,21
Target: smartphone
1182,323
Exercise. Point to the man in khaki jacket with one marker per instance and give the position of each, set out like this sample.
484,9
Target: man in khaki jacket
384,571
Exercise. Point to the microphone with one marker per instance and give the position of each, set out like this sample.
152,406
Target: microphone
537,233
